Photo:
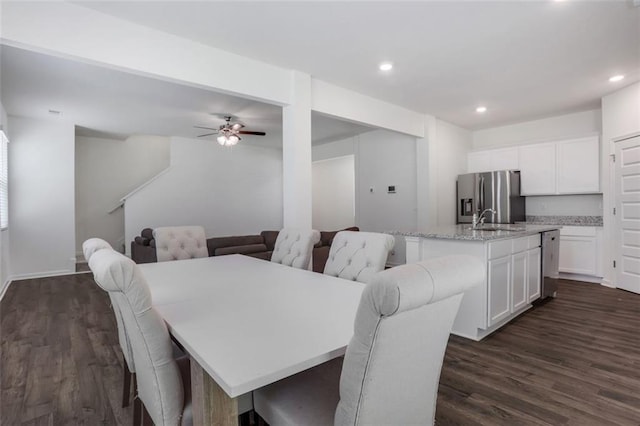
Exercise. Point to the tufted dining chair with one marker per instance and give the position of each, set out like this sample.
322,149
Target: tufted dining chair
358,256
159,377
391,369
180,242
89,247
294,247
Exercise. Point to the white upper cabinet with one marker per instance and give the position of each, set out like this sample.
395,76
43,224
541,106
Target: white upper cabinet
578,166
564,167
537,169
492,159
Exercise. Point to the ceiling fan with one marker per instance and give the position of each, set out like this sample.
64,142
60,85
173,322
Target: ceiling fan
228,133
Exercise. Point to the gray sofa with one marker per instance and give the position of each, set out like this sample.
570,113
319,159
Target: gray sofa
143,247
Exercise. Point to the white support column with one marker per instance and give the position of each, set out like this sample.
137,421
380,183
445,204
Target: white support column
296,154
426,168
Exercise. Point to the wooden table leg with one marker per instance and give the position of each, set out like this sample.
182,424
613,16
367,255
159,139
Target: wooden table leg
211,405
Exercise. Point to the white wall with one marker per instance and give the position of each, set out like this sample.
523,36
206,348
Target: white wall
106,170
333,194
41,197
620,117
353,106
233,191
386,158
621,113
548,129
333,149
4,234
452,143
382,158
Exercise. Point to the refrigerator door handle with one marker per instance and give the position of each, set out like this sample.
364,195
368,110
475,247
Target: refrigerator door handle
481,194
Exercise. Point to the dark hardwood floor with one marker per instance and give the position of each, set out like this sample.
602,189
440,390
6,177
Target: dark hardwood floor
574,360
61,362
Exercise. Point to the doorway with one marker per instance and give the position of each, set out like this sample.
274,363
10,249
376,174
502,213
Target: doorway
333,182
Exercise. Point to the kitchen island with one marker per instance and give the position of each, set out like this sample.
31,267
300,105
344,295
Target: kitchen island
512,255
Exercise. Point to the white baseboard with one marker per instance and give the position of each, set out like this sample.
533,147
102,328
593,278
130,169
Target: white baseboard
5,287
580,277
21,277
41,275
607,283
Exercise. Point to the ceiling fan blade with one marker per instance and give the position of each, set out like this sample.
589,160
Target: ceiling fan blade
246,132
207,128
207,134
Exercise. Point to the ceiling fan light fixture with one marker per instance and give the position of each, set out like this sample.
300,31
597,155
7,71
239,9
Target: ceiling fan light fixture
229,133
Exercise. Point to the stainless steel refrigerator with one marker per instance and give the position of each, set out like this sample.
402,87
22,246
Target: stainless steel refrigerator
499,190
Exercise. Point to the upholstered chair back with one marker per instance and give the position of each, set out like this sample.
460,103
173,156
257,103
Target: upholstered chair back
180,242
358,256
92,245
392,366
89,247
294,247
159,381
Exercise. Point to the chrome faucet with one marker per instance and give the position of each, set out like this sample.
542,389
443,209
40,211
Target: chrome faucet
478,220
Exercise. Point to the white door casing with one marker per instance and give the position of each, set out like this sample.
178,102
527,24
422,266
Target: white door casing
627,218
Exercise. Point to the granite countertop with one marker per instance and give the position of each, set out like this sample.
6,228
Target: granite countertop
464,232
564,220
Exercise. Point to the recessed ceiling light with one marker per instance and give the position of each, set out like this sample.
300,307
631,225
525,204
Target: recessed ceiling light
481,109
386,66
616,78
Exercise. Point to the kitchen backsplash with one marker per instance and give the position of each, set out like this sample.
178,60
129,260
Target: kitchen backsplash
565,220
564,205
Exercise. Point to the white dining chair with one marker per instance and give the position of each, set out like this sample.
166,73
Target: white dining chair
294,247
358,256
159,379
391,369
89,247
180,242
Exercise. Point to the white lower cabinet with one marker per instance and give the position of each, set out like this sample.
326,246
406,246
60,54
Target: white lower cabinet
512,279
519,279
499,278
534,274
580,250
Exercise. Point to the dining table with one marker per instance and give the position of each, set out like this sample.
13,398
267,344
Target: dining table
246,323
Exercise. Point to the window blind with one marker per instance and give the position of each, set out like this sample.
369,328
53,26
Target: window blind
4,181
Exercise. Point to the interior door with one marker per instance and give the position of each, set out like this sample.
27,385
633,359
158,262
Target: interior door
627,218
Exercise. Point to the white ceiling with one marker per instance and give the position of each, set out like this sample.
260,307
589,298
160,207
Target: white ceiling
109,103
522,59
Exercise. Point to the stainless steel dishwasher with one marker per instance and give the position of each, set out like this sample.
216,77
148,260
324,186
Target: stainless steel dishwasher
550,254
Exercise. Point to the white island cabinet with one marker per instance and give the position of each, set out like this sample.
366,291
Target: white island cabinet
513,271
